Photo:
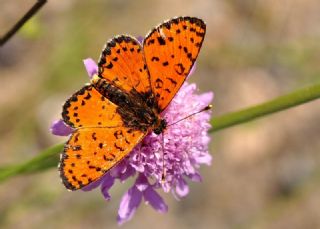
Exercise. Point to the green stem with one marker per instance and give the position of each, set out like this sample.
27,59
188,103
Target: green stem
280,103
49,157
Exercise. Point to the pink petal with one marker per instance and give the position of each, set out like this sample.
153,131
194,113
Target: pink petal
140,39
193,69
118,169
91,67
196,177
92,185
155,200
204,159
182,188
138,167
206,98
107,183
128,173
142,183
129,204
189,89
59,128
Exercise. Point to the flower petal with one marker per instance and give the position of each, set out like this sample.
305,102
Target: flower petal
196,177
127,173
107,183
206,98
59,128
193,69
92,185
142,183
182,188
140,39
118,169
188,89
91,67
204,159
129,204
155,200
138,167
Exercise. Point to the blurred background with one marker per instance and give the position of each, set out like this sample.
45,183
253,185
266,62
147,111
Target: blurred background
265,174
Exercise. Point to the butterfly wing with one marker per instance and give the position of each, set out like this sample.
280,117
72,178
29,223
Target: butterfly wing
170,51
100,139
122,63
91,152
87,107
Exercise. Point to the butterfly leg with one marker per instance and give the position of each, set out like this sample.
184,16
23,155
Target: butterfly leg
163,177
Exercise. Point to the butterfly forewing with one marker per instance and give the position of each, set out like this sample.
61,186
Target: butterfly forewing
170,52
122,63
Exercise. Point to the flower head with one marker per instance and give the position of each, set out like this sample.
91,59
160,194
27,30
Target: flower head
166,161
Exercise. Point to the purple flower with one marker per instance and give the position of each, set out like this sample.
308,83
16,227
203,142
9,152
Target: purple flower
177,154
133,197
140,39
91,67
59,128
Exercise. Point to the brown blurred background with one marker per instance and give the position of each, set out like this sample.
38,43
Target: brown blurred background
265,174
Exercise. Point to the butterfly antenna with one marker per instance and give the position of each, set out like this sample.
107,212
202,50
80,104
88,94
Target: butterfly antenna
203,109
163,177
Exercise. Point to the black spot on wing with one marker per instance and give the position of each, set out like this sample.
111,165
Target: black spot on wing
172,81
166,63
161,41
155,59
179,68
159,83
110,65
118,147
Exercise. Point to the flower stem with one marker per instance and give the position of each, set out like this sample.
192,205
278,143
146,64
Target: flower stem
49,157
280,103
46,159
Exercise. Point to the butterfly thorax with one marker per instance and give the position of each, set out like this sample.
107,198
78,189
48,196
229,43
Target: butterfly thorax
137,110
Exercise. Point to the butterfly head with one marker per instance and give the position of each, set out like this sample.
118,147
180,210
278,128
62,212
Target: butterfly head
160,126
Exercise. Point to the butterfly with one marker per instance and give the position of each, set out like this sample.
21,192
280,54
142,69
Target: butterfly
123,102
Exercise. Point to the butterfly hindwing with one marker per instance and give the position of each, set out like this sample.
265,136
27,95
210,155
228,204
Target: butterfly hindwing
122,63
91,152
170,52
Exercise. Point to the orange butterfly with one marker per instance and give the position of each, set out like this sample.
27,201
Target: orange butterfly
124,101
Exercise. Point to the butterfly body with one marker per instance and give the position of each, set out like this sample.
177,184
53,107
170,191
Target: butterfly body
138,111
134,84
